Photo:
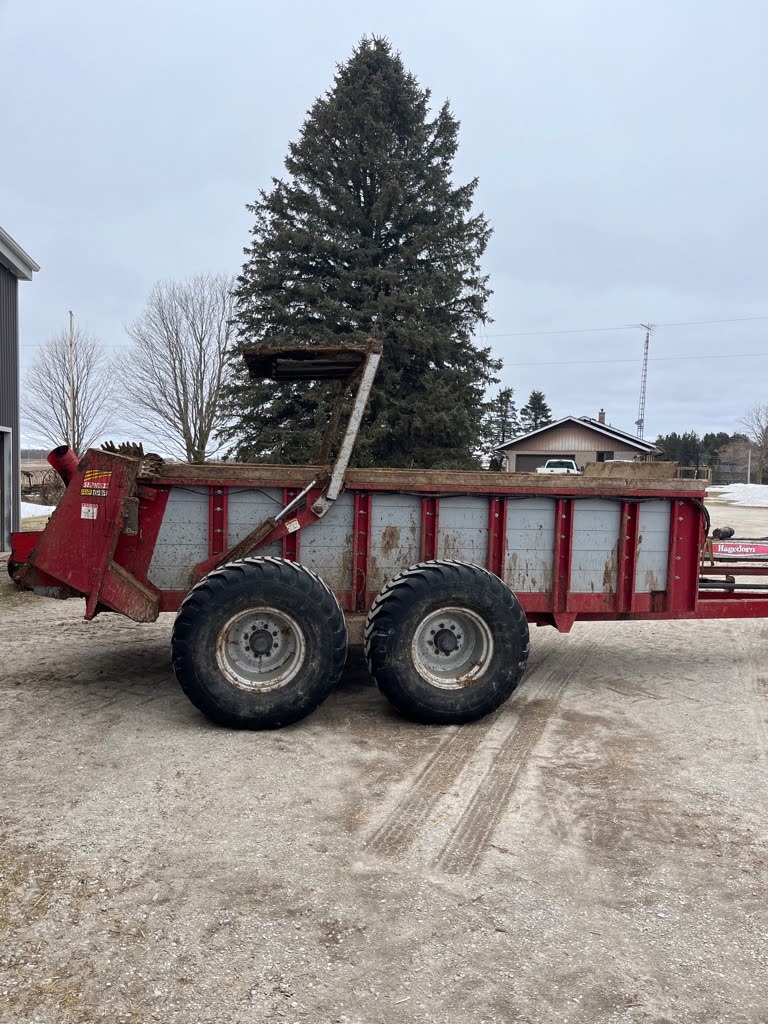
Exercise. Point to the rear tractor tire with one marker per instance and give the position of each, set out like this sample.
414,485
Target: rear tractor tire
446,642
259,644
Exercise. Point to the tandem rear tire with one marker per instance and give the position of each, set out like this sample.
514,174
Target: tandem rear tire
446,642
259,643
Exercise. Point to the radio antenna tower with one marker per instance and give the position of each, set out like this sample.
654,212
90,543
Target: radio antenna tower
640,421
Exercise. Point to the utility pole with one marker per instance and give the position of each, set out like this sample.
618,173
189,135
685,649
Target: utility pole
71,438
749,462
640,421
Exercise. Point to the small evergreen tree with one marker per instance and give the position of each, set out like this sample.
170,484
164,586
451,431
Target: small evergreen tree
535,413
501,424
368,236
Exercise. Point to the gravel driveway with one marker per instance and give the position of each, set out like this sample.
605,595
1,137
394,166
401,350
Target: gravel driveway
596,851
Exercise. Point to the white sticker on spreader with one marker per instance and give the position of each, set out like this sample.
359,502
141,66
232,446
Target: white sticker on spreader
88,511
293,525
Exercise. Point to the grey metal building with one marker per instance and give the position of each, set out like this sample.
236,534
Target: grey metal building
15,266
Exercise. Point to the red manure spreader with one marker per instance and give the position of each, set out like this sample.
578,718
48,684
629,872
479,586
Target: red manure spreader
270,568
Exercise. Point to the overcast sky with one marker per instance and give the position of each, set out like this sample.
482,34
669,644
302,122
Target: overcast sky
621,151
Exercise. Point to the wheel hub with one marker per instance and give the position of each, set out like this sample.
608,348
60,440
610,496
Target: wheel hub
445,641
260,642
261,649
452,648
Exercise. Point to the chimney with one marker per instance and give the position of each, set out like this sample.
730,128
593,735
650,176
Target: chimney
601,416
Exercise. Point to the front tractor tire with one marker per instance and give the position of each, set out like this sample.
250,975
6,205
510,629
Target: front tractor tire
259,644
446,642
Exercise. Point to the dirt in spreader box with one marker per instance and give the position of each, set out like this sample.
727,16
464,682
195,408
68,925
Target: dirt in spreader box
596,851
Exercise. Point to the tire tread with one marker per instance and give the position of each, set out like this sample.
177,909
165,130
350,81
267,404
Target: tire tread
202,599
389,607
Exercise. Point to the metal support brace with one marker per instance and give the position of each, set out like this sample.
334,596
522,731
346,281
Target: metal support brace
267,364
295,502
341,464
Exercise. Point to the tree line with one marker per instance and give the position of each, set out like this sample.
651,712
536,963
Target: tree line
740,456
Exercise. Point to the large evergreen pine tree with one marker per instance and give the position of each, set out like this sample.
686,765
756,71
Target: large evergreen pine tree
368,236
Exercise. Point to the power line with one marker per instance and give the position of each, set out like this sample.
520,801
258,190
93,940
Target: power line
534,334
626,327
639,359
586,362
700,323
579,330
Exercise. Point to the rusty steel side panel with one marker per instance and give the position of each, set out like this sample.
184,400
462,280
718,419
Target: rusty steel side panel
327,545
396,524
653,547
462,531
530,544
596,530
395,536
182,540
248,508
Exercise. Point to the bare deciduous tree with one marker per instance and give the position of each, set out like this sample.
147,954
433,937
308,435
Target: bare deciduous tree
174,371
755,423
733,460
69,401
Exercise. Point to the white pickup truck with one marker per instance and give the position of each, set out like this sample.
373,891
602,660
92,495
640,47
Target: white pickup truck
558,466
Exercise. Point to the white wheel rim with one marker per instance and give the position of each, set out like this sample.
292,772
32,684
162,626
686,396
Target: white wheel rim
261,649
452,648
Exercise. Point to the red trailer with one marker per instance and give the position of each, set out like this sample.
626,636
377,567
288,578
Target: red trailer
267,566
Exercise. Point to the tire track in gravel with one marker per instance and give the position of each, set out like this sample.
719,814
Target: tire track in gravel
402,826
756,685
467,843
406,820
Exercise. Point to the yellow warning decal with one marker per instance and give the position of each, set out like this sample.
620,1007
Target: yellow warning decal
96,483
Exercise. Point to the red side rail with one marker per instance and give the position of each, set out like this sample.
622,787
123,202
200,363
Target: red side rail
558,606
100,542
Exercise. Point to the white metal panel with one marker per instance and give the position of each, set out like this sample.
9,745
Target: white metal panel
326,546
183,538
530,544
247,508
596,528
182,541
395,536
653,546
463,529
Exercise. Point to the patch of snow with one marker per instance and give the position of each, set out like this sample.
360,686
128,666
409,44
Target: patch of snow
746,495
29,509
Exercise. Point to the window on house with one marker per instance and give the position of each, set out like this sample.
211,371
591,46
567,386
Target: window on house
604,456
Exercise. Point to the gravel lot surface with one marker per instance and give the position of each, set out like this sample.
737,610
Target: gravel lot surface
595,852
